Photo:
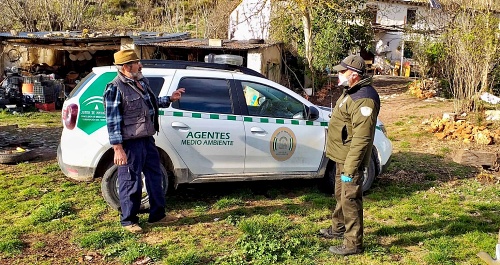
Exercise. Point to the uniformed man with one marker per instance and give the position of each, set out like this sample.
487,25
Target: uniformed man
349,145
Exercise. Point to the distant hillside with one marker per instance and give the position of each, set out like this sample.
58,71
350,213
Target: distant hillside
203,18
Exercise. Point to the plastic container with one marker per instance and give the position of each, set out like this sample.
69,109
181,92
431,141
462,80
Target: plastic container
27,88
225,59
46,106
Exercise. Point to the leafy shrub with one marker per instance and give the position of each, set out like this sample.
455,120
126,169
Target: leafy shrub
11,246
134,251
266,239
51,211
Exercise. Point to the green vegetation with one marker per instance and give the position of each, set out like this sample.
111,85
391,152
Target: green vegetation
227,203
425,210
26,119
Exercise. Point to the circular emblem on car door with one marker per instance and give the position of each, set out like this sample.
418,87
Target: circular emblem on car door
283,143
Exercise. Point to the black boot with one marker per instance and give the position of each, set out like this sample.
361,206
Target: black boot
344,251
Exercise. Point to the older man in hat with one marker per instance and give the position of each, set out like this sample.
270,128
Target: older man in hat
132,120
349,145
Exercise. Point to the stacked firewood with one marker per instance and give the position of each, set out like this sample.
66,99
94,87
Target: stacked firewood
424,89
463,131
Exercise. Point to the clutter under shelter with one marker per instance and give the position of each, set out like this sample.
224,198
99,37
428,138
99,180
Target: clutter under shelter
41,68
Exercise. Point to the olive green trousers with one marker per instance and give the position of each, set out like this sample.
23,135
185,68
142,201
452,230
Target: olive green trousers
347,216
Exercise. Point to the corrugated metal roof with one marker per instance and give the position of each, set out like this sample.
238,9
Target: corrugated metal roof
392,28
139,37
173,40
203,44
146,39
408,2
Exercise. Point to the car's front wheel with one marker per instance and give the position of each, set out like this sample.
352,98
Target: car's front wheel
328,182
109,188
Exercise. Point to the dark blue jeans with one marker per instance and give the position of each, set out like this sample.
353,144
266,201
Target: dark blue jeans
142,156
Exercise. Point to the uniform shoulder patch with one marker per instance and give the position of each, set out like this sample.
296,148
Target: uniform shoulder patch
366,111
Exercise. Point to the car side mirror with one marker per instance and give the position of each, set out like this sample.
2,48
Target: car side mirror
312,113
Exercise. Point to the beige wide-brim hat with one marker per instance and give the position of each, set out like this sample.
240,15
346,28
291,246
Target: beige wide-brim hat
125,56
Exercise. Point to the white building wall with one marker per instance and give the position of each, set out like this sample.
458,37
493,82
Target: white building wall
266,61
392,14
395,15
250,20
254,60
389,14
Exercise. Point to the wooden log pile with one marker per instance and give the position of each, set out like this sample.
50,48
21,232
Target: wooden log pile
462,130
424,89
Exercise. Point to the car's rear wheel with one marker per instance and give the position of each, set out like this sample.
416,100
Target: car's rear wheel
328,182
109,188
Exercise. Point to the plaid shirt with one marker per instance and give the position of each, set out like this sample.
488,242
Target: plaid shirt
114,111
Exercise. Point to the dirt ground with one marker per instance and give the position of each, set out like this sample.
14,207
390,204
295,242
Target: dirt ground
396,103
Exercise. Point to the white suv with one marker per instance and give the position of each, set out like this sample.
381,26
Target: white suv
231,124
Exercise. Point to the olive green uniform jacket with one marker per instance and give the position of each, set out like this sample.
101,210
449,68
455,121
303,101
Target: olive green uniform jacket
352,126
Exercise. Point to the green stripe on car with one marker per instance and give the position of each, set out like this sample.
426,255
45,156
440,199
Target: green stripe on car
239,118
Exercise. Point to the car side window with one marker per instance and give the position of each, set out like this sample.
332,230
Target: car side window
205,95
263,100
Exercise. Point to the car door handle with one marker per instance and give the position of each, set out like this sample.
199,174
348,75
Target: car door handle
258,131
180,126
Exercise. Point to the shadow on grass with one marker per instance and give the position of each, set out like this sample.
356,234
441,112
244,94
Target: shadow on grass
206,193
410,172
450,227
243,199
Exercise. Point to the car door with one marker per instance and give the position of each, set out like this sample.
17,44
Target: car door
278,138
202,126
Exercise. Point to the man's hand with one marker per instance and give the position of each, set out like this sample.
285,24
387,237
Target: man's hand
120,156
177,94
345,178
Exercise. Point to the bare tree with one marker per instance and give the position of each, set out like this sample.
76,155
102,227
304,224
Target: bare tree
23,15
50,15
217,18
472,43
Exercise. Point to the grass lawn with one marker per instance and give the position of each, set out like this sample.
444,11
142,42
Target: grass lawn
424,210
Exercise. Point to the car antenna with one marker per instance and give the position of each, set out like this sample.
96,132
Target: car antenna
328,71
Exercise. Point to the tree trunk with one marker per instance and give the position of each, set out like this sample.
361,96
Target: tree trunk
306,23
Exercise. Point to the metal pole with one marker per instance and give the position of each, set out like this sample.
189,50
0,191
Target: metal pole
402,56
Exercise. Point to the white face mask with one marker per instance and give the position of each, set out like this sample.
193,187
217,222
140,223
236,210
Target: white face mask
343,81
